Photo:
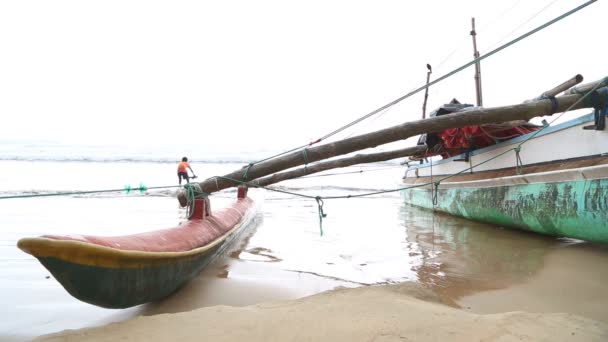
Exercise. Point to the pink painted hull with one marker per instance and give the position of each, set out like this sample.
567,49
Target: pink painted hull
187,236
124,271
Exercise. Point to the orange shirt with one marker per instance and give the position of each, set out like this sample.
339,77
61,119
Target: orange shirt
183,166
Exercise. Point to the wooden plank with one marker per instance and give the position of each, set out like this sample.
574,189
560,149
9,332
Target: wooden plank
529,169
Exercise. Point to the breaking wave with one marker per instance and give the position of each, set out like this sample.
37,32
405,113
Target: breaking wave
37,158
85,194
56,152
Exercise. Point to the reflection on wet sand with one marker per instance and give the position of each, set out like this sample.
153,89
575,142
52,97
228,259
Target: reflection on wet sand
453,257
366,241
333,278
264,253
459,257
572,280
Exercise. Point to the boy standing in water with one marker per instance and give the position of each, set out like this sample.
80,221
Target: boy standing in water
182,171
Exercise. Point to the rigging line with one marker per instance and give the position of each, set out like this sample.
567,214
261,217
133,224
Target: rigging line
417,90
498,49
490,23
371,122
350,172
524,23
459,46
499,17
144,188
433,182
441,179
281,154
451,54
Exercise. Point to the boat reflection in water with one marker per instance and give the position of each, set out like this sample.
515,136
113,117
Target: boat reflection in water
458,257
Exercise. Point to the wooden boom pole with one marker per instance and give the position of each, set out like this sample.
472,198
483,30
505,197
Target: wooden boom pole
566,86
480,116
338,163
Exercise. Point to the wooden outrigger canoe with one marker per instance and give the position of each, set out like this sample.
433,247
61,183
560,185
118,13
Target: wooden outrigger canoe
124,271
119,272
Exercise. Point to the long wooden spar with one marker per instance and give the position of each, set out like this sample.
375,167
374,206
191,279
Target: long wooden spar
405,152
343,162
479,116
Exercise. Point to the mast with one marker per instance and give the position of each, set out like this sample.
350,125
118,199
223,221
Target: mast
477,65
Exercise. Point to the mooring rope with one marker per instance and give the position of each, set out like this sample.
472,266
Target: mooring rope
127,189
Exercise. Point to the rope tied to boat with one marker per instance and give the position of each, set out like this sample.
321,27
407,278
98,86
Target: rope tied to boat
193,192
600,110
519,164
435,191
554,102
305,154
142,188
247,171
322,214
600,115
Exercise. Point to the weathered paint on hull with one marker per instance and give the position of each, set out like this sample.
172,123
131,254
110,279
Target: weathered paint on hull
575,209
110,277
118,288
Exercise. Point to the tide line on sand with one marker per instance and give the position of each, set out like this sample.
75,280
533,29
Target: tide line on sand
403,312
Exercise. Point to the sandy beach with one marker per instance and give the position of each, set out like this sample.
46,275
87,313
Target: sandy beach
458,280
102,100
549,292
404,312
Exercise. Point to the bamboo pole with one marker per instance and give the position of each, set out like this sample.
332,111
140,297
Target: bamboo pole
583,88
338,163
479,116
477,65
563,87
426,91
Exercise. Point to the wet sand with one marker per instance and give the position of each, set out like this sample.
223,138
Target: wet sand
572,280
403,312
470,268
232,301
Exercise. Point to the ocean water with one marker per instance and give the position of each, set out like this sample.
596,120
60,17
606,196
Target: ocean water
365,241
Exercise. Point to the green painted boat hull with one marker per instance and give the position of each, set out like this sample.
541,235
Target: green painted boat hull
118,288
574,209
107,276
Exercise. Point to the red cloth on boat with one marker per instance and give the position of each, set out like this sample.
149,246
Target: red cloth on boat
457,140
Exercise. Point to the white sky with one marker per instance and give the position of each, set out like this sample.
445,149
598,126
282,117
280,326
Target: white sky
270,74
